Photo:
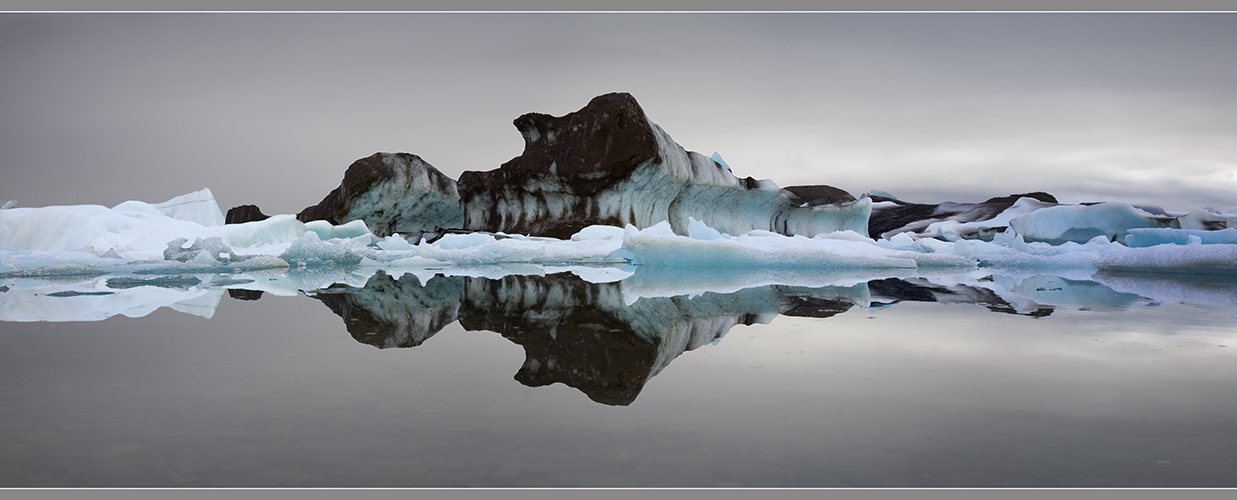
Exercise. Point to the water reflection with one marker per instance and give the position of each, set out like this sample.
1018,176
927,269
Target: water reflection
605,339
974,379
593,337
579,333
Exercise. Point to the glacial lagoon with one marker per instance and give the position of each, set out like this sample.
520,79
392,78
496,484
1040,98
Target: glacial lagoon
643,377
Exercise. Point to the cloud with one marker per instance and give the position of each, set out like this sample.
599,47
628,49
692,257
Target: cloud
271,108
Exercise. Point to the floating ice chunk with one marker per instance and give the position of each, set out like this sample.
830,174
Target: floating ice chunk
1207,221
697,230
326,231
659,246
1080,223
309,250
1198,258
954,229
198,207
598,233
351,229
395,243
276,229
1008,250
1146,237
134,230
178,250
461,241
323,229
845,235
901,241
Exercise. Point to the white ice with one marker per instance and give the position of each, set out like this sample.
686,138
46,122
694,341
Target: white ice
1166,236
139,237
1081,223
197,207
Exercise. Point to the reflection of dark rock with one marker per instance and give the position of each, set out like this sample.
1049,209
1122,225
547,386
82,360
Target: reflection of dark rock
608,164
897,290
243,214
894,290
75,293
1039,312
568,333
888,220
242,294
584,335
812,307
575,332
391,192
389,313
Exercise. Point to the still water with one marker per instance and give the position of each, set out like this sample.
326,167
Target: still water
551,380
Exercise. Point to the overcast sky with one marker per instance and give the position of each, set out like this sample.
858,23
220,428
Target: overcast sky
271,109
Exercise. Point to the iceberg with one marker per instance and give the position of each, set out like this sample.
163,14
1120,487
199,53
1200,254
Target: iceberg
1142,237
950,221
131,230
1197,258
608,164
1081,223
390,192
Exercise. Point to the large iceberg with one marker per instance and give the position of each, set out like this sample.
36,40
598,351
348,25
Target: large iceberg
607,164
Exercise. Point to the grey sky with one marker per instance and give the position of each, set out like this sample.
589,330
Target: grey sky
271,108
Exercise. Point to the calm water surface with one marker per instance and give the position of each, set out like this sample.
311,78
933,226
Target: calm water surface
553,381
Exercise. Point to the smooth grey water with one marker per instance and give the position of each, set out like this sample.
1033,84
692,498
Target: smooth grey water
1103,389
